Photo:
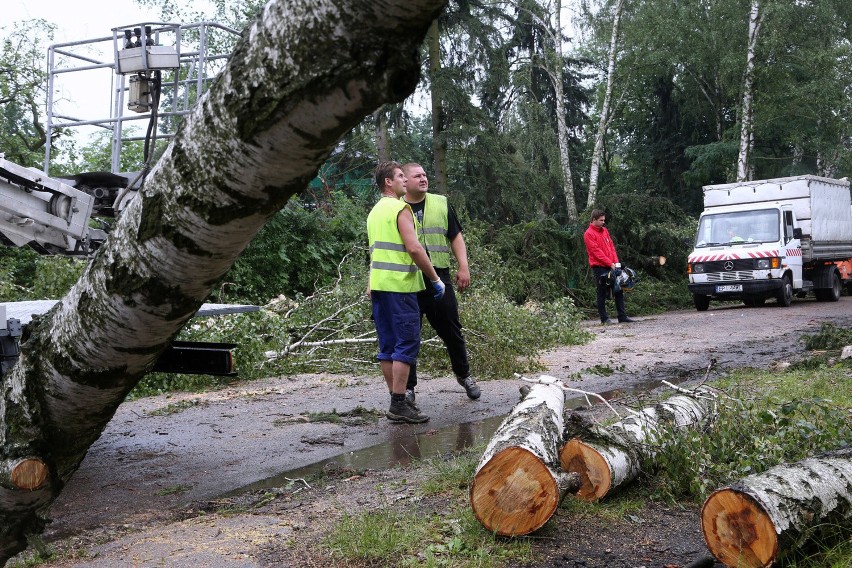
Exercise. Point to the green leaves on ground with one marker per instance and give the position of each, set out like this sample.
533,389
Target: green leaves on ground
773,419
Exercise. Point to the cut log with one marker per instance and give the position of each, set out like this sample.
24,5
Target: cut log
763,517
517,486
27,474
607,457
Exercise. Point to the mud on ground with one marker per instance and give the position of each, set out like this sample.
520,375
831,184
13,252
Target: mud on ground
162,485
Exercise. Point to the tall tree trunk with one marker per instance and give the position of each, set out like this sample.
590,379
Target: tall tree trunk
603,125
292,87
439,139
745,169
382,149
555,66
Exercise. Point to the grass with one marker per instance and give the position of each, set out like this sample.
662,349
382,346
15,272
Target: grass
451,537
615,509
452,477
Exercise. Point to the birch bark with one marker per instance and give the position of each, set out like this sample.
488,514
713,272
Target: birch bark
745,169
517,486
606,458
761,518
603,125
554,70
304,73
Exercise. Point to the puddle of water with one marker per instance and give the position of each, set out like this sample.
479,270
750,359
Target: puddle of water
398,451
408,448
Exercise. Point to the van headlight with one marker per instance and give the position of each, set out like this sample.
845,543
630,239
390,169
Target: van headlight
768,263
697,268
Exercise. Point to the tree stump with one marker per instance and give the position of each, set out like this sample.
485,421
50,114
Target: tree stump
761,518
517,487
606,458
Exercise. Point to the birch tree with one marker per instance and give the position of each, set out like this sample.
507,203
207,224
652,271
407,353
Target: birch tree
555,63
303,74
605,118
745,169
545,40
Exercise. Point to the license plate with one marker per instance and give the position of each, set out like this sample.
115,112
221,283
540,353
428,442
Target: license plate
729,288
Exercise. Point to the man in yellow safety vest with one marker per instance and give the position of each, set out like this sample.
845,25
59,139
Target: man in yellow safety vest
440,233
396,261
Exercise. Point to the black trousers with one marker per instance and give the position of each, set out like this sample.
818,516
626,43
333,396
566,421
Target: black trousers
443,316
603,290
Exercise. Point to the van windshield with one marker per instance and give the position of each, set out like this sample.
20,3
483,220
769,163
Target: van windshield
741,227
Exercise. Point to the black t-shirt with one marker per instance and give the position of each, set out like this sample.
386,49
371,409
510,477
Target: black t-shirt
453,225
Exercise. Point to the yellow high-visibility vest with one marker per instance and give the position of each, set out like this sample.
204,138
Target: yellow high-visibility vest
391,267
433,232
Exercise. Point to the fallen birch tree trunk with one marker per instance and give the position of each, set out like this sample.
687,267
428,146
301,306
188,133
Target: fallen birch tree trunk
608,457
303,74
517,486
763,517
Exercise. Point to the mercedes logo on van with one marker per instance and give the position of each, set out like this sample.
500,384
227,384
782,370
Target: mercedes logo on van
729,265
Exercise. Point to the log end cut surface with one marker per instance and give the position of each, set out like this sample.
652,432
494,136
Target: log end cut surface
737,530
595,477
29,474
514,493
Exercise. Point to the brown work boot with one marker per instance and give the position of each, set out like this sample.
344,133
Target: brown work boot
402,412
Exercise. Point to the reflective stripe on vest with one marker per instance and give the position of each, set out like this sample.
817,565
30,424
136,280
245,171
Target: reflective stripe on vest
391,267
433,233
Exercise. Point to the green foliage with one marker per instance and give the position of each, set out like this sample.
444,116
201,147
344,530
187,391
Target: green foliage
537,260
22,90
780,421
54,276
24,275
297,251
96,154
294,334
504,338
653,296
17,267
644,227
829,337
614,509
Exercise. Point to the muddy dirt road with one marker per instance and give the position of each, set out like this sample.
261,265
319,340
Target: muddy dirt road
161,454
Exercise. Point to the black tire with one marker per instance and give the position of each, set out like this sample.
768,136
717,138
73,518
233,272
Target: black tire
784,297
830,294
833,293
701,302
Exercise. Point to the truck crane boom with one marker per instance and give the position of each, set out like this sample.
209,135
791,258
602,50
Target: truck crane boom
45,212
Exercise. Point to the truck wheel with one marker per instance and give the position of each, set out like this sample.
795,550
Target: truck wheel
784,297
833,293
701,302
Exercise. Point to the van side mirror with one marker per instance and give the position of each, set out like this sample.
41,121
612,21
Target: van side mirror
797,233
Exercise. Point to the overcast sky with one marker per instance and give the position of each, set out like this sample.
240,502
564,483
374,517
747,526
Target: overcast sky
78,19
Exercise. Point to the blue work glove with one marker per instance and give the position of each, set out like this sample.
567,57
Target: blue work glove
439,289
